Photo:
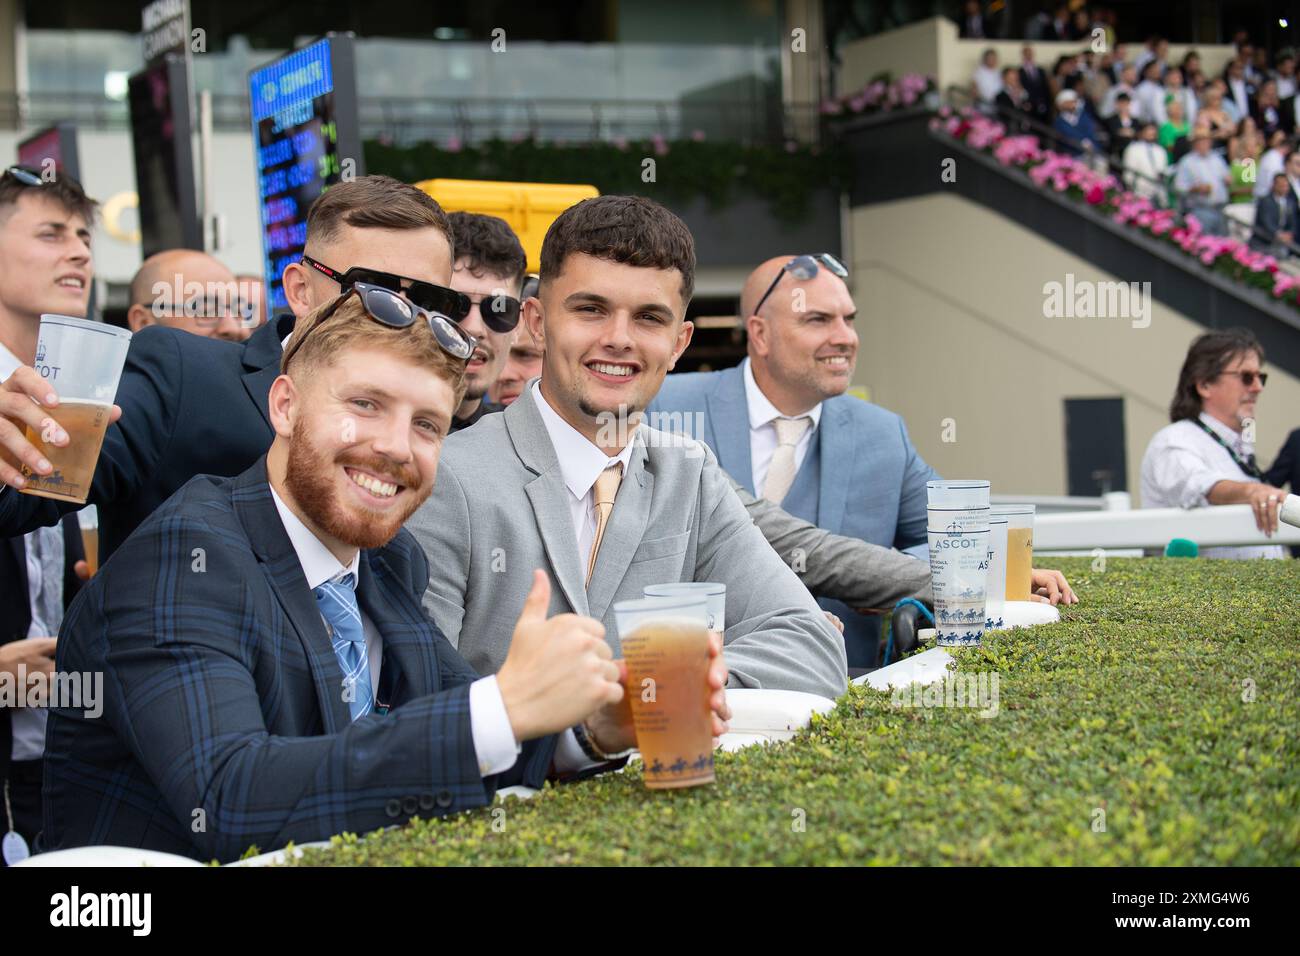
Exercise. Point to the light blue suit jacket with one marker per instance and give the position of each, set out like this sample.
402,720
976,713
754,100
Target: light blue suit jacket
870,481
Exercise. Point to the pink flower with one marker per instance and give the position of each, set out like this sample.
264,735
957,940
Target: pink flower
697,135
453,144
660,145
1095,194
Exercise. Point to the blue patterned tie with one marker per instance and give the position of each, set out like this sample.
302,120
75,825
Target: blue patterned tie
338,605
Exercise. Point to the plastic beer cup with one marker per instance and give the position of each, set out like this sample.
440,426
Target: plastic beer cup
83,362
665,642
995,590
958,531
1020,549
715,591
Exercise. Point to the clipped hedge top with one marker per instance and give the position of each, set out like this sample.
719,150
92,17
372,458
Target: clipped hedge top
1164,707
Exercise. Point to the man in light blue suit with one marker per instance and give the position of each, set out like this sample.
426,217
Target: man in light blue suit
781,425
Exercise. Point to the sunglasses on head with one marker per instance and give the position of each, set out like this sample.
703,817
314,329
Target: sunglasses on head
805,267
391,309
1248,378
432,298
25,176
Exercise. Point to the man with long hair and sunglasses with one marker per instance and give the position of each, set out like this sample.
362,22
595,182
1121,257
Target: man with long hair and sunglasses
782,426
191,405
292,687
1207,455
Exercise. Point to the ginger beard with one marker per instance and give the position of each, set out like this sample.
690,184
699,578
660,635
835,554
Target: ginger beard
311,476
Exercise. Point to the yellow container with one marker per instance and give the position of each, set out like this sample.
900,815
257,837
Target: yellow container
530,208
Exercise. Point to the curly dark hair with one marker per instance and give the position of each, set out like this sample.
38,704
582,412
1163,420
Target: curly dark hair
488,244
631,230
1208,355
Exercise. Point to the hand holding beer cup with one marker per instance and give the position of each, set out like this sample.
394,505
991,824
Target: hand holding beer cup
56,457
559,670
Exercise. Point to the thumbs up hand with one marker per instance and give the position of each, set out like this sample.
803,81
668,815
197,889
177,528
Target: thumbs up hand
558,671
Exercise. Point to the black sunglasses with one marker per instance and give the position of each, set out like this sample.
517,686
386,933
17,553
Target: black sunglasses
389,308
500,312
1248,377
432,298
805,267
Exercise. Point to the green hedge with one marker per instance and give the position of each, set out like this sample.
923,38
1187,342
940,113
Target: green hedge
717,172
1133,705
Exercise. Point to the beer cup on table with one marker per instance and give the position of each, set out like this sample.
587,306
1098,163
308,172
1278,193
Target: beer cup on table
83,362
714,591
1020,549
995,589
665,642
958,531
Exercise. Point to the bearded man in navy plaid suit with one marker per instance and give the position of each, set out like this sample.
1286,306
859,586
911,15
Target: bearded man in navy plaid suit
269,672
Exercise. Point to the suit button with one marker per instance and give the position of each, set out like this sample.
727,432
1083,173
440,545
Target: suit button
410,804
393,807
426,800
444,798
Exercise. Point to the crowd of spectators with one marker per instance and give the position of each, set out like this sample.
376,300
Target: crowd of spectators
1209,144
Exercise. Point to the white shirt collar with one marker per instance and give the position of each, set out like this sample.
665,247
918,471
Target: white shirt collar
762,411
581,462
9,363
318,563
1230,435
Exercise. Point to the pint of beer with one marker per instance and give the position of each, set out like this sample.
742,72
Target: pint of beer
1020,549
666,644
82,361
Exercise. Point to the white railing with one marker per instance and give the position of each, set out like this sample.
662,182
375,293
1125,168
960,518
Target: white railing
1225,525
1056,504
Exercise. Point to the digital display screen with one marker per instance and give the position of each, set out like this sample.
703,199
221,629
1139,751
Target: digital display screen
296,135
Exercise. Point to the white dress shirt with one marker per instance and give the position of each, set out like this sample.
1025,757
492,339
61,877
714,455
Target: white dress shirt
581,463
1240,96
494,739
762,431
1183,463
27,723
1270,164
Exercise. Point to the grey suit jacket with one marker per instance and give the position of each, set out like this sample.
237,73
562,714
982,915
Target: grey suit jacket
500,508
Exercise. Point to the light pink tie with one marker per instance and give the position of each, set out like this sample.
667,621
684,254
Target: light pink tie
780,474
605,491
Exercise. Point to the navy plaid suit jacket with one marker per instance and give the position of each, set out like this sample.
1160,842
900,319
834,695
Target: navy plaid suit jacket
224,724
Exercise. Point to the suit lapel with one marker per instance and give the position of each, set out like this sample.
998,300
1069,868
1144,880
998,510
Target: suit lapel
729,418
626,528
837,464
408,643
253,504
549,497
262,362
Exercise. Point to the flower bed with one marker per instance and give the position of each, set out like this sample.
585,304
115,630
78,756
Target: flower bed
880,95
1155,724
1102,191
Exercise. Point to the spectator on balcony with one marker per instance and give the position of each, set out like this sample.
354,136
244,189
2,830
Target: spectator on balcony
1174,126
1285,76
1127,85
1293,172
1080,25
1270,112
1149,95
1122,127
1035,83
1239,91
1244,151
1257,70
1054,27
1175,90
1156,51
972,22
1222,126
1205,457
1202,179
1013,102
1271,163
986,84
1146,165
1074,125
1275,219
1191,64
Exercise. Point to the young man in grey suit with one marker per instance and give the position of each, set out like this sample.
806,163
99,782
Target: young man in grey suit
567,480
782,426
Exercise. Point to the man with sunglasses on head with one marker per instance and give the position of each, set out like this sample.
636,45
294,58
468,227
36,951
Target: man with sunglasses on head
489,271
783,428
1207,455
191,405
